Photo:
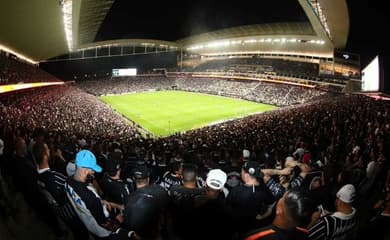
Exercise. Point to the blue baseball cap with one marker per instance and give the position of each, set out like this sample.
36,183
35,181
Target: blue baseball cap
86,159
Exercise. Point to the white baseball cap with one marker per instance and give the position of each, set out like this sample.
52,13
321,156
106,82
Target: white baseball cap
347,193
246,153
216,179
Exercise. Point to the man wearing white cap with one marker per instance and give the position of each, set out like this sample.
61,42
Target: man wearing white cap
215,184
340,225
213,216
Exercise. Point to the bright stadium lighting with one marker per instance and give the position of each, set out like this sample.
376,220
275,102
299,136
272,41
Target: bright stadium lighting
250,41
318,10
276,40
293,40
146,44
283,40
218,44
20,56
195,47
67,18
15,87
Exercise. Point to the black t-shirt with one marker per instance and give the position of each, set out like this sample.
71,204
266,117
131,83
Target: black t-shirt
115,190
91,199
170,179
54,183
159,171
182,196
158,192
274,233
213,220
183,207
245,202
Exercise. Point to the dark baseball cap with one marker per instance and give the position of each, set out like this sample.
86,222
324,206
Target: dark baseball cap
141,172
253,168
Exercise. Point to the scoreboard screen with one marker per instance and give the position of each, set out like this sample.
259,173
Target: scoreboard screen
124,72
371,76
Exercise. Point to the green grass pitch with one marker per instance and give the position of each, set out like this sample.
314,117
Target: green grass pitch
164,113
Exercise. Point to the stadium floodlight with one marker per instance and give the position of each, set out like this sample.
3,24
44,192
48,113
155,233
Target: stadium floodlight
218,44
195,47
67,18
250,41
320,13
20,56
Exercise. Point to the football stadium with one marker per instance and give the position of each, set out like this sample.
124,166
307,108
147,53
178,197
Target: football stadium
123,120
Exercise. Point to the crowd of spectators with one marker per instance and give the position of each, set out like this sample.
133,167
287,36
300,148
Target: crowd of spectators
13,70
119,85
317,170
260,66
64,109
344,138
258,91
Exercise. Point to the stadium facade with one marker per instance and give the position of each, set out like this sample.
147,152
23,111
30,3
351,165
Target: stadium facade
317,41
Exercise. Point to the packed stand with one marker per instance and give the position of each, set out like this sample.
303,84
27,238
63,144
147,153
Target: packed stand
119,85
284,174
64,109
258,91
259,66
13,70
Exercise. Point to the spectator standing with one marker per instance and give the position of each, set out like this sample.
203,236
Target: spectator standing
293,211
91,209
53,185
340,225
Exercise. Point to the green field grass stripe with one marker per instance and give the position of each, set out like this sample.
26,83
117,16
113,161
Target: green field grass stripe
164,113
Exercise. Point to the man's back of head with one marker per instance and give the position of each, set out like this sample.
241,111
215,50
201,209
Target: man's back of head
190,172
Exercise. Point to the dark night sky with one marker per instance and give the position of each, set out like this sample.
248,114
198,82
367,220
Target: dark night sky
169,20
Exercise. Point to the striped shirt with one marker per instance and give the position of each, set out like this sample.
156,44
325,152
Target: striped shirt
89,207
338,226
52,184
169,179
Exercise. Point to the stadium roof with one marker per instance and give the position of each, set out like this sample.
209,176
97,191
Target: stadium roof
91,16
41,29
287,28
36,28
